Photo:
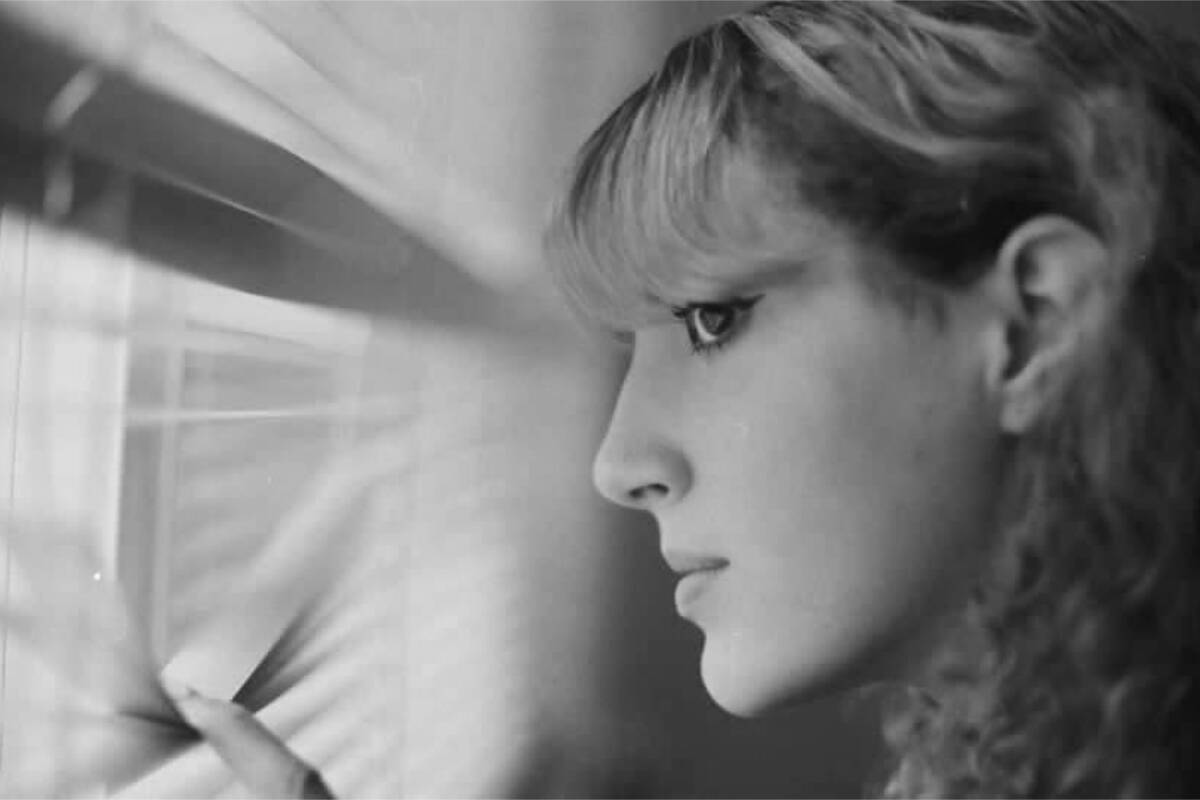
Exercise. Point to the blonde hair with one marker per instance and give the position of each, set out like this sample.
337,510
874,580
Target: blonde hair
932,130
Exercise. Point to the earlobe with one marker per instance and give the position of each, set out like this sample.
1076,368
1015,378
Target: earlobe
1047,286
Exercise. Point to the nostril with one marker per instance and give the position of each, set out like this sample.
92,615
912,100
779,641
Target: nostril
641,493
639,474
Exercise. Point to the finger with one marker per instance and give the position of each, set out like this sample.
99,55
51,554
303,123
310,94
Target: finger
262,762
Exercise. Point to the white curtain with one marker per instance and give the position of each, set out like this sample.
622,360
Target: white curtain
333,522
379,535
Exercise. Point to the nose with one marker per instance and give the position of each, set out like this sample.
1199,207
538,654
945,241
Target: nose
639,474
639,465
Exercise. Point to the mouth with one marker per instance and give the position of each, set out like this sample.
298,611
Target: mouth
697,572
684,563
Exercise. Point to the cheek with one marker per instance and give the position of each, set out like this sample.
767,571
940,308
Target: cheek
849,513
856,492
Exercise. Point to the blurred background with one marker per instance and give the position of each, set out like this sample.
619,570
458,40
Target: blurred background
278,355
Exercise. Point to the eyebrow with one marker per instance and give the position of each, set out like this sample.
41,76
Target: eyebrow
750,275
772,271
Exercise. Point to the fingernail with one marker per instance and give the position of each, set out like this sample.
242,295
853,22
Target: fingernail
176,689
198,711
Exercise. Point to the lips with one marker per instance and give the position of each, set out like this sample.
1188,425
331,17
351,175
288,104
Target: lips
697,572
684,563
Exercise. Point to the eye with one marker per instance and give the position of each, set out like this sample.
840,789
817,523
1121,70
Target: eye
711,325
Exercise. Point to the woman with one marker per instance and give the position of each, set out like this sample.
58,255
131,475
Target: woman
912,298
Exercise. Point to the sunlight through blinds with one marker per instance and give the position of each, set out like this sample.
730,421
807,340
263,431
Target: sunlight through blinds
181,433
369,528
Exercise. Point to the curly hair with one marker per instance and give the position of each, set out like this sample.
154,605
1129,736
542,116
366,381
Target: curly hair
934,129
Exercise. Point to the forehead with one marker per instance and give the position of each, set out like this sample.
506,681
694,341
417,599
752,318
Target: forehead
756,217
778,247
673,247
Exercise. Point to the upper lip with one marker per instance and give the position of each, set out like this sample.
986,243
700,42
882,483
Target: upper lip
683,562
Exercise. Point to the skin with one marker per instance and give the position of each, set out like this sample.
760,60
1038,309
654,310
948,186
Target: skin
840,458
837,461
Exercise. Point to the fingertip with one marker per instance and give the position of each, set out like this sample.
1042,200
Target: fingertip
204,713
176,689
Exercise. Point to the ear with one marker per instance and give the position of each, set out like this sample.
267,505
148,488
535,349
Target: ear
1047,289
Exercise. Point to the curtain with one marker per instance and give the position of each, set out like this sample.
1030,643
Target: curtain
294,413
325,519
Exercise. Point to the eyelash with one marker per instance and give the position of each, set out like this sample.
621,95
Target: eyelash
737,308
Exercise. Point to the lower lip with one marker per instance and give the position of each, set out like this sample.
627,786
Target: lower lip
692,586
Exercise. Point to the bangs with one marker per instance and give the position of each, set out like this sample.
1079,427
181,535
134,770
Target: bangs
654,201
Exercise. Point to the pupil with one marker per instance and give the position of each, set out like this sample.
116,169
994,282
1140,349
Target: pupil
713,321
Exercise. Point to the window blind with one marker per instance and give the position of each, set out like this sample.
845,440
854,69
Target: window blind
434,451
210,457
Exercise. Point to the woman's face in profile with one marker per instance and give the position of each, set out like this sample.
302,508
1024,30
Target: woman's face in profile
823,469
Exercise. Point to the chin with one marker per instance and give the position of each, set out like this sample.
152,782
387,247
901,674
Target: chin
742,706
748,684
747,689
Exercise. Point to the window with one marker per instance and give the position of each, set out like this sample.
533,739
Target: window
164,423
186,433
215,453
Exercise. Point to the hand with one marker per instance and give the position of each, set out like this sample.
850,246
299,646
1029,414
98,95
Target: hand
260,761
